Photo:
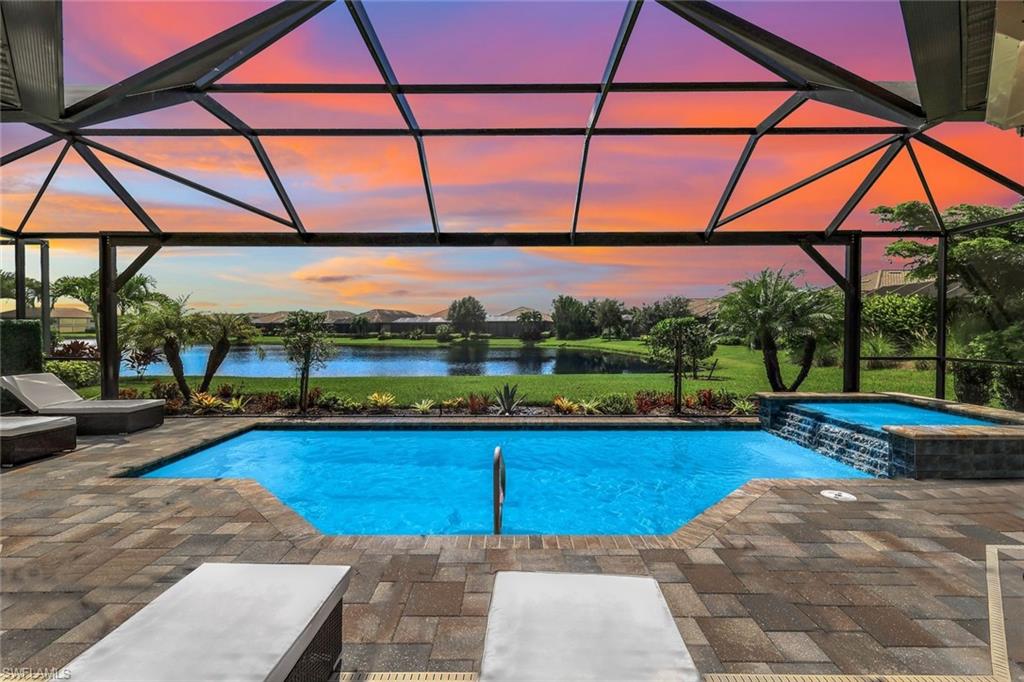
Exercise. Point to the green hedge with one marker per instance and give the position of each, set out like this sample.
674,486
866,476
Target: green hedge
21,352
75,373
21,347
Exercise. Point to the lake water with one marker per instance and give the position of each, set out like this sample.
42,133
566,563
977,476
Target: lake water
455,360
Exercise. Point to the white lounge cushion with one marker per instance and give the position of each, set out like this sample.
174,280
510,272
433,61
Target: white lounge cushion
93,407
237,622
570,626
39,390
23,426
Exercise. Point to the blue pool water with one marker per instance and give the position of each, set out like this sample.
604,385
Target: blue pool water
422,481
875,415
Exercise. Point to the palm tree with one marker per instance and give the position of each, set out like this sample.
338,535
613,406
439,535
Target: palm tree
221,330
170,325
772,311
8,288
133,296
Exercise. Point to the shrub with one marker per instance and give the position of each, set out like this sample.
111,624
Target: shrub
265,402
139,359
972,382
75,348
75,373
898,318
508,402
128,394
381,402
648,401
423,406
617,403
337,403
478,403
1010,386
383,336
878,345
742,406
565,406
289,398
416,334
453,403
923,344
174,406
590,406
443,333
165,391
21,346
225,391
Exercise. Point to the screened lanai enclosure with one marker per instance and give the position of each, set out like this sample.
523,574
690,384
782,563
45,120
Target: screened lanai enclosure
600,127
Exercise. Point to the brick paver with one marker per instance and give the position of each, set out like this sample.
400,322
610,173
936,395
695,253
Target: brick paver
776,578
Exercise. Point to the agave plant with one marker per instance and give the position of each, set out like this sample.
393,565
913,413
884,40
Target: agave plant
424,406
508,401
381,402
204,403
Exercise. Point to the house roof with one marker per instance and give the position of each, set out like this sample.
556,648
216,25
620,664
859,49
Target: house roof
386,314
59,312
420,319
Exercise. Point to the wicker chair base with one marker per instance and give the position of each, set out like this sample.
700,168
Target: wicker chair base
319,659
104,424
28,447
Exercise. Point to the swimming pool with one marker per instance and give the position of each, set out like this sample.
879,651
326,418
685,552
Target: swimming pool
560,481
875,415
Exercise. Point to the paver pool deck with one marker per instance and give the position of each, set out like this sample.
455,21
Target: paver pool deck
775,579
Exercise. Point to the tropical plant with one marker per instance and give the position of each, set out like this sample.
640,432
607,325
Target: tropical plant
617,403
742,406
453,403
306,346
531,325
443,334
8,288
563,405
772,312
225,391
75,348
685,342
571,318
139,359
877,347
381,401
923,345
467,315
204,403
235,405
609,317
898,318
508,401
137,293
169,325
648,401
360,326
424,406
590,406
164,391
221,331
478,403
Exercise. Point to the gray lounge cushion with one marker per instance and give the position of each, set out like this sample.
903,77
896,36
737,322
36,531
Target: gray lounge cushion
23,426
240,622
46,394
569,626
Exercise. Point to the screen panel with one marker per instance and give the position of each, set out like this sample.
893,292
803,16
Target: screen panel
689,109
502,111
313,111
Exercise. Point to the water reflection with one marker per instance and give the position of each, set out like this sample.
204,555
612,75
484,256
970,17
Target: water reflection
479,359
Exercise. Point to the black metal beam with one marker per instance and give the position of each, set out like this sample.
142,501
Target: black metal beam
115,186
498,88
44,293
827,267
942,316
136,265
772,120
380,58
185,181
201,64
42,187
239,126
992,222
965,160
492,132
28,149
797,65
865,185
626,25
110,357
808,180
852,316
936,213
20,302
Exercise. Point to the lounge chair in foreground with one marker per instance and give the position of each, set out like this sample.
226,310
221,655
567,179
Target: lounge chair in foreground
239,622
570,626
47,395
23,439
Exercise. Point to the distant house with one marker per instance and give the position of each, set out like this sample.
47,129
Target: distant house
427,323
507,323
900,282
271,323
65,319
704,308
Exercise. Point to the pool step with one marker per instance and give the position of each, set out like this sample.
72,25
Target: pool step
867,450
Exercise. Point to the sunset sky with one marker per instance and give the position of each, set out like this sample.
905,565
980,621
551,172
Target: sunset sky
374,184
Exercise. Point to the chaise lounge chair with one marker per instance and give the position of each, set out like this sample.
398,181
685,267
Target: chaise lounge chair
47,395
566,626
24,439
240,622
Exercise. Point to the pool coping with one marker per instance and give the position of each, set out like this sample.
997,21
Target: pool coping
293,525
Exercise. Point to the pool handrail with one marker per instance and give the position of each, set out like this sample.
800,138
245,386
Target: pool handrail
498,488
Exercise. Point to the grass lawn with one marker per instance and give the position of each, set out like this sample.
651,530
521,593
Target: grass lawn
739,371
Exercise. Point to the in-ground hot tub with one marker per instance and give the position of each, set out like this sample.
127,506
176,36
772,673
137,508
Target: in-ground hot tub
897,435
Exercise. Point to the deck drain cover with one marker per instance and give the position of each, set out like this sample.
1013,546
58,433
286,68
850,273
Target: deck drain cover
838,495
